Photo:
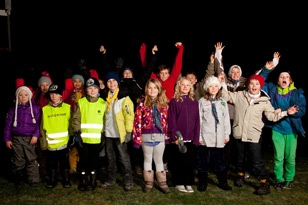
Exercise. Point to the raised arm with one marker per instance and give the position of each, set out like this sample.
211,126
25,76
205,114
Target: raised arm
177,67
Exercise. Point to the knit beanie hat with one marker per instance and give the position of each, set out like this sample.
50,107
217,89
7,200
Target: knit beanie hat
92,82
130,69
210,81
29,91
80,77
44,79
234,66
55,88
257,77
112,75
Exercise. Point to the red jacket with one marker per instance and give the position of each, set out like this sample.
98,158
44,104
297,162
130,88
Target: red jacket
176,70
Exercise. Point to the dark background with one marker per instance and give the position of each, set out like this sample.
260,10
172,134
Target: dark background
53,36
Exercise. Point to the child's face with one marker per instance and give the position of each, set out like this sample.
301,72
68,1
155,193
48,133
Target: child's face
152,90
55,97
192,78
92,91
44,87
184,87
254,87
235,73
213,90
127,74
23,97
284,80
221,77
77,83
164,75
101,84
112,84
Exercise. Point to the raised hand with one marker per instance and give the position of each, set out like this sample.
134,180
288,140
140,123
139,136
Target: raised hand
292,110
219,46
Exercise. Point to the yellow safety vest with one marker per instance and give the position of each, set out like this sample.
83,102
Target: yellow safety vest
56,124
92,120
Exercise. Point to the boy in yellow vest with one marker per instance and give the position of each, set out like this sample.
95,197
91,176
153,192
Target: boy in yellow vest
54,132
87,124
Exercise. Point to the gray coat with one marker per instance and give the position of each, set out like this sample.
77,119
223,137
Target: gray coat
208,133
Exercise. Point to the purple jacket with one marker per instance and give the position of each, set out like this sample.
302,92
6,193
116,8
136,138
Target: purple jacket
184,117
25,126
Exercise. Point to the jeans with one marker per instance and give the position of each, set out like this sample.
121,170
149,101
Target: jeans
254,156
209,155
114,145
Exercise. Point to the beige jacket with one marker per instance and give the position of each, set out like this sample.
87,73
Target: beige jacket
248,123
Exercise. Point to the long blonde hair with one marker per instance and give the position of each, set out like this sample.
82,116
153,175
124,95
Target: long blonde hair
161,101
177,93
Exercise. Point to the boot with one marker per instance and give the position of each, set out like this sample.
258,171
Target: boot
148,179
162,182
66,180
92,185
83,181
52,179
202,181
223,182
239,181
264,188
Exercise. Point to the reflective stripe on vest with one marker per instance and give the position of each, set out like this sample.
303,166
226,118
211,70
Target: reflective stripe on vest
92,114
56,124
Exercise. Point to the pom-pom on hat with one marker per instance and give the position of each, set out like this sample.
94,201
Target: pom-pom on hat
210,81
29,91
257,77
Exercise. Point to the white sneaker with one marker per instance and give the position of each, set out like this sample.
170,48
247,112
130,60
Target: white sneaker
181,188
189,189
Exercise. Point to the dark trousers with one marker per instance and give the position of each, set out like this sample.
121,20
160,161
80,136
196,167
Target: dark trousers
89,157
182,165
211,156
251,151
55,157
114,146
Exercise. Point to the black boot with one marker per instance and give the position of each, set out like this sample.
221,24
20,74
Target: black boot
239,181
66,180
52,179
92,185
83,181
264,188
223,182
202,181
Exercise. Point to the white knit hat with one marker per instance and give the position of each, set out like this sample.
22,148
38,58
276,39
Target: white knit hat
210,81
234,66
16,105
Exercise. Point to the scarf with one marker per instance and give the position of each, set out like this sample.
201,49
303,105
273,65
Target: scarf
109,100
213,100
157,117
78,93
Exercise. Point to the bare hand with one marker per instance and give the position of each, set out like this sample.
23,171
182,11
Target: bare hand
178,44
33,140
212,58
226,141
277,55
201,142
102,49
219,46
9,144
154,49
292,110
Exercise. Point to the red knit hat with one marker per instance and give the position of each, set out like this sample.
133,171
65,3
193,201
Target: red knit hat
257,77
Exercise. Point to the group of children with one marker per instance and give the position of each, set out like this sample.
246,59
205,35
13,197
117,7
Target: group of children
172,114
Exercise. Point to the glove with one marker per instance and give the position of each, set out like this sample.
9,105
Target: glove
128,137
78,139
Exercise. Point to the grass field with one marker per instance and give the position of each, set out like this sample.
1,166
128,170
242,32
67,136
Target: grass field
116,195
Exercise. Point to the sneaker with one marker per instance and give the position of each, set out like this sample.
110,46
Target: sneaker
181,188
279,185
189,189
288,185
264,189
247,175
128,187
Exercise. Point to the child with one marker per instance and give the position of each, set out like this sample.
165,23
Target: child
150,132
21,132
78,93
118,131
55,135
183,117
247,126
215,131
87,124
285,132
168,79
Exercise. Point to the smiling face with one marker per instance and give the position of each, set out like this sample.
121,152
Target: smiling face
185,87
284,80
92,91
213,90
44,87
236,73
192,78
112,84
152,90
164,74
77,83
254,87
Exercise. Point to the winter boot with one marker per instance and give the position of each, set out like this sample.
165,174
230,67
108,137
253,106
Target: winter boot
202,181
239,181
92,185
148,179
223,182
162,181
264,188
83,181
52,179
66,180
